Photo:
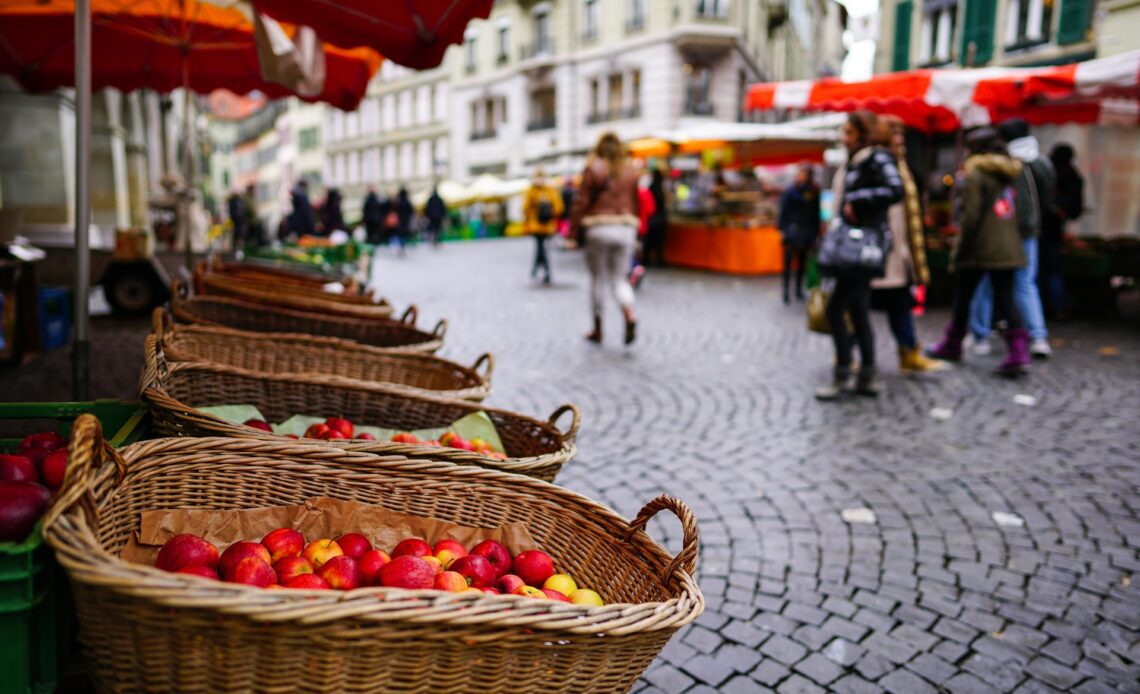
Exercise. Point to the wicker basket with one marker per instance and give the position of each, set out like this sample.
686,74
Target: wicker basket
244,315
143,629
341,361
290,297
174,391
260,272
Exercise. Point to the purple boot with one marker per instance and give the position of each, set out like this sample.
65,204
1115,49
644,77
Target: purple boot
1017,354
949,348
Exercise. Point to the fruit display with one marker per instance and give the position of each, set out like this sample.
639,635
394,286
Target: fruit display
28,478
342,429
284,559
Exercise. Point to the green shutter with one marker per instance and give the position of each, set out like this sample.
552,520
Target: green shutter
1074,22
978,28
904,11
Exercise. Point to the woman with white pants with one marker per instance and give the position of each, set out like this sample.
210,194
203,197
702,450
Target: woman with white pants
605,211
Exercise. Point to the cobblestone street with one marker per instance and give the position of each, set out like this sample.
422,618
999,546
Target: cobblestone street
961,533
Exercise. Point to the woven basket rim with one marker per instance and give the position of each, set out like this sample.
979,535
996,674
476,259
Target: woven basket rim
69,529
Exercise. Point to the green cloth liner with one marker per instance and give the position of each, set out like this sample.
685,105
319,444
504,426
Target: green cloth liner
476,425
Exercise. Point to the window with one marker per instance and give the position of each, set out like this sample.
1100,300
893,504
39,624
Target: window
441,101
712,9
636,18
697,80
471,49
1027,22
487,114
938,23
543,115
635,88
352,125
423,158
390,163
340,169
389,112
590,20
595,98
614,94
542,32
309,138
423,104
504,43
407,163
354,167
407,99
441,154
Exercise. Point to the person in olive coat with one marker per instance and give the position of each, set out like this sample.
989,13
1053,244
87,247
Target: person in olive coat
989,243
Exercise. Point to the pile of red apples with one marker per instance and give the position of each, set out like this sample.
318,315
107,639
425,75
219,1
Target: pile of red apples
28,478
341,429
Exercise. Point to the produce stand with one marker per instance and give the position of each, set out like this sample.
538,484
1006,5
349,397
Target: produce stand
738,251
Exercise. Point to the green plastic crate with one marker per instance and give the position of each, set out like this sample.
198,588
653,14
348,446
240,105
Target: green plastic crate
37,616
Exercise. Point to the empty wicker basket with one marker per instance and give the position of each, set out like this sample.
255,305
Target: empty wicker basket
143,629
174,391
288,295
339,360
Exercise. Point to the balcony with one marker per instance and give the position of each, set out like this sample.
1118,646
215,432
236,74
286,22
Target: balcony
542,123
537,50
614,114
699,108
489,134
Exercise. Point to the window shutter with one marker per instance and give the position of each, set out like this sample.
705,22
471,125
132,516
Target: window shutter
904,12
978,28
1074,22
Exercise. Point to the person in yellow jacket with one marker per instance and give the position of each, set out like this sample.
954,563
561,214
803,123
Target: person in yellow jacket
542,206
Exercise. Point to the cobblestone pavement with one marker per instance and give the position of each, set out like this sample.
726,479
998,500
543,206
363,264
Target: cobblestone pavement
856,547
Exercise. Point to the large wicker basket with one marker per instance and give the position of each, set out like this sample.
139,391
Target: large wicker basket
264,272
287,296
338,360
222,311
174,391
143,629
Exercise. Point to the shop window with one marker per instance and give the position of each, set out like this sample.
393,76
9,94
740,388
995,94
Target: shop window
1027,23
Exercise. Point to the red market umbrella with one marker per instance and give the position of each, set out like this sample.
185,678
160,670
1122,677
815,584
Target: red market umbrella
414,33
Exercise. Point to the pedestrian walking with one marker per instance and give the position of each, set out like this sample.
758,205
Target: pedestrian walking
798,222
864,190
372,214
568,191
605,212
1035,187
435,210
332,218
542,205
906,265
988,243
302,221
402,206
658,221
1068,205
645,209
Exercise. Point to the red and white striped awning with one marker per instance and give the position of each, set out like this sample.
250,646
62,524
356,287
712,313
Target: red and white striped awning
1106,90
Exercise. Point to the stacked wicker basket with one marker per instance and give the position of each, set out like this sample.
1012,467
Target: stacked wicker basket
285,346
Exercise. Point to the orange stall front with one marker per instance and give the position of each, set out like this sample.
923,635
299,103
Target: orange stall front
735,250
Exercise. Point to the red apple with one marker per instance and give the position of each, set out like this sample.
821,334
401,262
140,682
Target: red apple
333,435
238,551
436,564
320,551
35,446
258,424
492,591
283,542
21,505
342,425
17,468
316,431
533,566
407,572
451,582
185,550
341,573
496,553
447,551
370,564
354,545
447,437
293,436
291,567
412,546
509,583
198,570
365,436
252,571
477,569
554,595
307,582
53,468
405,437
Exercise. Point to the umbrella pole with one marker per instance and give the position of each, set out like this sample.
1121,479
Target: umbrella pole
81,354
187,164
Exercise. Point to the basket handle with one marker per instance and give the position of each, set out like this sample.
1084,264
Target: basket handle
487,359
411,313
686,560
162,323
88,452
570,434
440,329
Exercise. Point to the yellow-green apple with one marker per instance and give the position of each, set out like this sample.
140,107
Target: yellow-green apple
472,589
283,542
198,570
436,564
320,551
413,546
291,567
533,566
370,564
53,468
407,572
307,582
476,569
451,582
555,595
238,551
509,583
342,573
258,424
447,551
353,545
185,550
252,571
529,592
316,431
562,583
17,468
342,425
496,553
584,596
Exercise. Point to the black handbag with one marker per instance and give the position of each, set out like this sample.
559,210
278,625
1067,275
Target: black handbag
847,249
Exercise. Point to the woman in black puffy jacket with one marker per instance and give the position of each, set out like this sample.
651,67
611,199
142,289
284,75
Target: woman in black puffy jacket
864,191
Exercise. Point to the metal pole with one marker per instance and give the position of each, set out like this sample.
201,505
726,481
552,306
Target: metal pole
81,354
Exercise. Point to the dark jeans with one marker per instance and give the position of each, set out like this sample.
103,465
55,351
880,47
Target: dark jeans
897,303
800,257
1004,306
654,246
372,232
540,257
1049,277
852,296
